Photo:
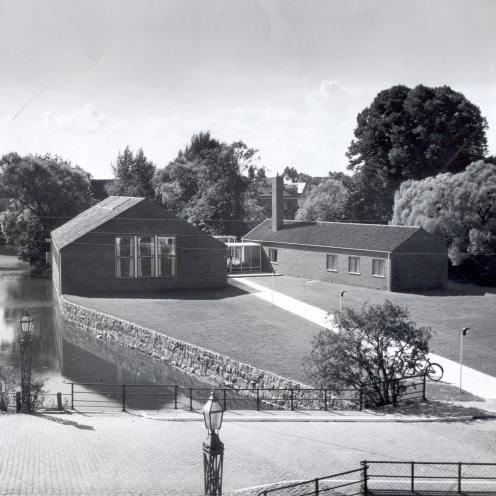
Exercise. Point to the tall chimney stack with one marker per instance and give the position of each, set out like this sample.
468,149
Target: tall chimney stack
277,211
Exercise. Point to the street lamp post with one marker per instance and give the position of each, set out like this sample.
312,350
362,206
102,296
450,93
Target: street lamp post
463,333
26,347
274,272
213,448
341,294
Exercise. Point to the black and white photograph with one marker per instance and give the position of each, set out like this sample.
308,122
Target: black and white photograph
247,247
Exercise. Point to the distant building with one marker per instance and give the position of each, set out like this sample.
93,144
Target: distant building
395,258
291,195
130,245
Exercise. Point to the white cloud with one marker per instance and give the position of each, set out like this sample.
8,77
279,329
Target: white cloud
84,120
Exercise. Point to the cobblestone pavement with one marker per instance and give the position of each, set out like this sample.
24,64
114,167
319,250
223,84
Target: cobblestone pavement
130,455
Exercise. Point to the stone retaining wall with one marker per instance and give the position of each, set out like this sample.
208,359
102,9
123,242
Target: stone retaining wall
214,367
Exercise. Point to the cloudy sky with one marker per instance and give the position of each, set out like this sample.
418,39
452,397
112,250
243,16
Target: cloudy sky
85,78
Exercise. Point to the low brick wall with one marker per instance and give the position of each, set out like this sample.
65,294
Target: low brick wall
214,367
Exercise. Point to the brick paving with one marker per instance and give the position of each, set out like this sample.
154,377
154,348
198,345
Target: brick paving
130,455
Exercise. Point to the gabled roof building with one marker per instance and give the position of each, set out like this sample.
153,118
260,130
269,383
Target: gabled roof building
130,245
395,258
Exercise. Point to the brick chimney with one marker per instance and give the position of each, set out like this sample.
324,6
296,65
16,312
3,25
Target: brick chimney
277,212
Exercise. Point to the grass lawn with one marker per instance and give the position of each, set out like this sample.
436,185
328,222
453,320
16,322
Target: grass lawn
445,311
230,321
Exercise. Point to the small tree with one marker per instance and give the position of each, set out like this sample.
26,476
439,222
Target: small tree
368,351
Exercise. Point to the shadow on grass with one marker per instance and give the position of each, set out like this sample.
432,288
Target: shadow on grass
434,408
455,289
229,291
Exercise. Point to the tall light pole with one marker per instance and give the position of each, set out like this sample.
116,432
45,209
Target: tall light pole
274,272
341,294
26,347
463,333
213,448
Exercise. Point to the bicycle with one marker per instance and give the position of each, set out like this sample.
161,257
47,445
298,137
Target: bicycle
408,366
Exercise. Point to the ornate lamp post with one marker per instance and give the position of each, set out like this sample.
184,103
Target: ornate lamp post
213,448
26,345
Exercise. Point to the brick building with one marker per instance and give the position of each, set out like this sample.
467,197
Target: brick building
130,245
395,258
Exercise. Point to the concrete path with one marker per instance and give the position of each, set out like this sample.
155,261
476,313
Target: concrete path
473,381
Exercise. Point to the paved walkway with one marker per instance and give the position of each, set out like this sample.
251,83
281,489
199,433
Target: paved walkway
76,454
475,382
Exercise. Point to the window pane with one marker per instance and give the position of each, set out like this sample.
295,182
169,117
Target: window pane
166,246
332,262
125,267
167,266
378,267
146,246
124,247
354,265
146,267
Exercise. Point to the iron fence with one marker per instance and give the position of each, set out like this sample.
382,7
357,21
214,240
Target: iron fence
105,396
385,477
348,483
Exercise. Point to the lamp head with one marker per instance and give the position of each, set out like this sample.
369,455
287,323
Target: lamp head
342,293
465,330
26,324
212,413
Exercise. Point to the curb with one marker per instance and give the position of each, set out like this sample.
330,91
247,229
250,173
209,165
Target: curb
463,418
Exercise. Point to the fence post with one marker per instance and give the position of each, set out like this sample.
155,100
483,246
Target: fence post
316,487
123,397
361,399
72,396
18,402
59,401
459,477
412,482
175,397
365,477
423,386
225,399
325,400
291,399
258,399
191,399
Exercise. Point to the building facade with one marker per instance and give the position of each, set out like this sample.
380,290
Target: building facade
394,258
127,245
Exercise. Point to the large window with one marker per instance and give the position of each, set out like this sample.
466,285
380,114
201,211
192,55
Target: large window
332,263
124,257
354,265
145,256
272,255
378,267
166,257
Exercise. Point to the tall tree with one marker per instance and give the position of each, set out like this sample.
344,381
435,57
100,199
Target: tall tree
411,134
212,185
459,207
46,192
325,201
133,174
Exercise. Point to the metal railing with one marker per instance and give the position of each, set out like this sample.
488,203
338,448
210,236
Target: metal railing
152,396
348,483
384,478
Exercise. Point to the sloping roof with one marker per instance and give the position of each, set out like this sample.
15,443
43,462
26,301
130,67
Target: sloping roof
372,237
92,218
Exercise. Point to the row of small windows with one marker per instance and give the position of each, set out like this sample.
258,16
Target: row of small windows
378,265
145,256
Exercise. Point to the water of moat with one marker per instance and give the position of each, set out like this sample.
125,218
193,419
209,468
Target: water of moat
64,354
